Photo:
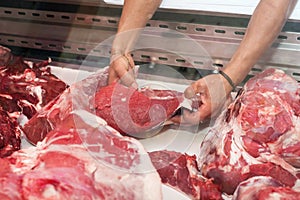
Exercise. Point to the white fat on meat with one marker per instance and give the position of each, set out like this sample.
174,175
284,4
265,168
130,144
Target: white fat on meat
38,92
118,180
89,118
228,150
264,187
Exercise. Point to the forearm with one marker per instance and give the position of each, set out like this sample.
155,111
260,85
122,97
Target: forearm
135,15
264,26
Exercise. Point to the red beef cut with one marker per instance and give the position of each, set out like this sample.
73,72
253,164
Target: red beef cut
26,87
131,111
10,134
9,182
181,172
92,94
76,97
257,136
83,160
264,188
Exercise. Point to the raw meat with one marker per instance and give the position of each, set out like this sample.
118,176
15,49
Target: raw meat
131,111
264,188
147,107
180,171
99,164
26,87
10,134
258,135
76,97
9,182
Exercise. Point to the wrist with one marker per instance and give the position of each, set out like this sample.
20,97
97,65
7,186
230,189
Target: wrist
116,52
228,80
229,84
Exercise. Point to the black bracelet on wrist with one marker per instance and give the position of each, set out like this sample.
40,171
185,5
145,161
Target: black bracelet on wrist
228,79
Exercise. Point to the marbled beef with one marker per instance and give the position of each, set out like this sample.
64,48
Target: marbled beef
81,160
259,134
264,188
131,111
180,171
25,87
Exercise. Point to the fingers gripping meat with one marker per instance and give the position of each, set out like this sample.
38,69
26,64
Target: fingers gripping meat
127,110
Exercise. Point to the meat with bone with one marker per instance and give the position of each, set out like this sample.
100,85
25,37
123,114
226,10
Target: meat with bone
104,165
181,172
259,134
264,188
114,103
131,111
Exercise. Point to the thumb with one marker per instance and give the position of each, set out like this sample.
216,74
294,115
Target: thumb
190,92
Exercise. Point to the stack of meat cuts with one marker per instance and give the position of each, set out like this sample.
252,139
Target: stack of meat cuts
252,151
86,160
259,135
24,89
82,158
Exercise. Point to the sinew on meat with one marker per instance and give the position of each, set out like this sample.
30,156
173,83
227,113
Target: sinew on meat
125,109
132,112
180,171
76,97
10,134
264,188
25,87
258,135
82,160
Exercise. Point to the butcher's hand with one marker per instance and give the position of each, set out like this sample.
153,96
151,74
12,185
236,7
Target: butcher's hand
122,69
213,94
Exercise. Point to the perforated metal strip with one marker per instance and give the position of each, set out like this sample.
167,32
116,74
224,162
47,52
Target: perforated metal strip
219,41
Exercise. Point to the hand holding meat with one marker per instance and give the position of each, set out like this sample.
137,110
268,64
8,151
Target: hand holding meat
212,96
122,69
135,15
